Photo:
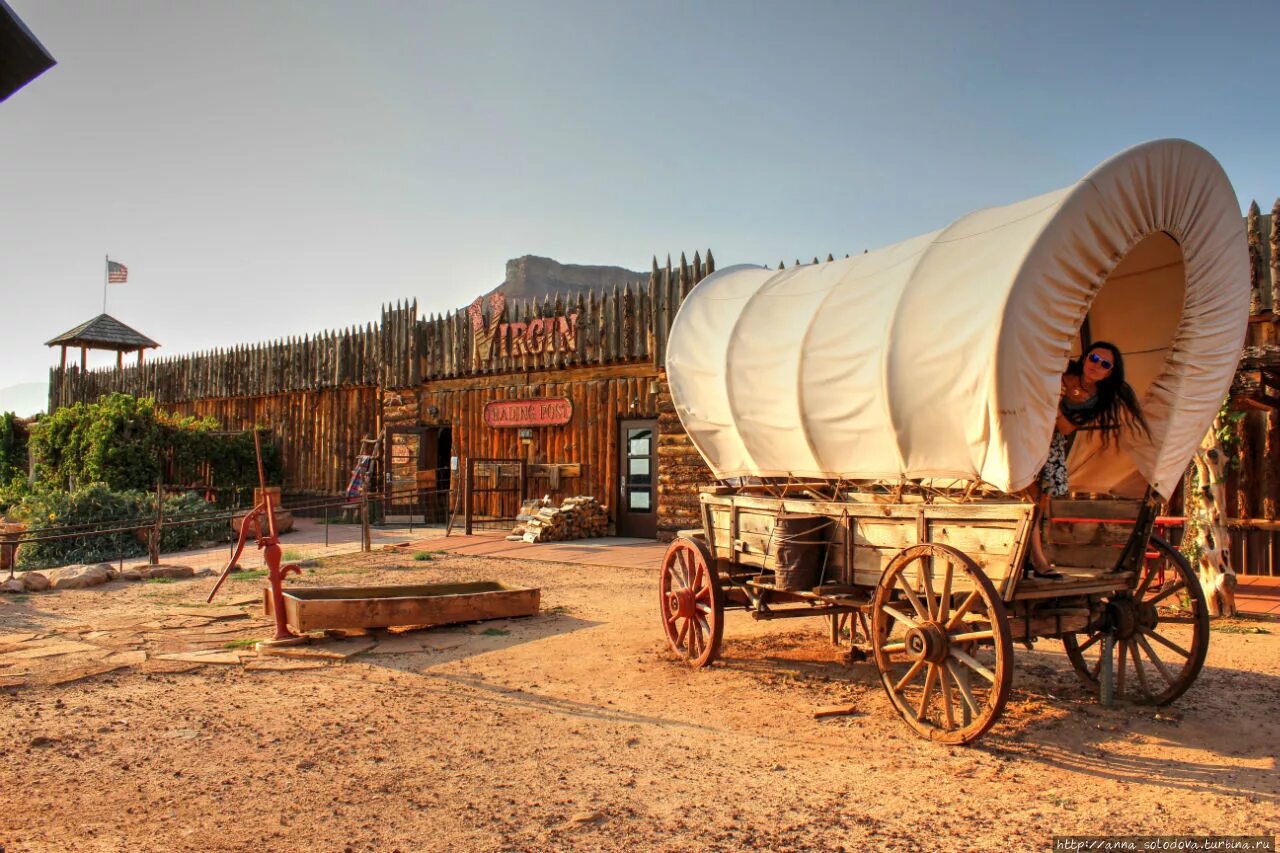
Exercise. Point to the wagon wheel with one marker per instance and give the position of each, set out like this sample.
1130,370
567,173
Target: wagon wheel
692,602
1150,667
942,643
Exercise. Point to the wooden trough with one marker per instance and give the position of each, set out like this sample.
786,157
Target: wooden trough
323,607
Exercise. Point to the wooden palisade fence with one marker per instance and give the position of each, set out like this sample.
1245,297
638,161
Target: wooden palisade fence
1253,480
341,373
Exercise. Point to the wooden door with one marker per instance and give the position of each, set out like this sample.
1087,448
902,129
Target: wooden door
406,453
637,512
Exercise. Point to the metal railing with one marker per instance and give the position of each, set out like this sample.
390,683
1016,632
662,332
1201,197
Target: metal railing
147,532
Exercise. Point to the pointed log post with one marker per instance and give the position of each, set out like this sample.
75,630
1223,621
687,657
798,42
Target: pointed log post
1254,231
1275,253
1217,577
711,261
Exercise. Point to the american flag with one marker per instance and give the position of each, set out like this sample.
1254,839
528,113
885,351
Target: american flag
117,273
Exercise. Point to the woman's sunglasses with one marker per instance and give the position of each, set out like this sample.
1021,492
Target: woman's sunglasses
1100,361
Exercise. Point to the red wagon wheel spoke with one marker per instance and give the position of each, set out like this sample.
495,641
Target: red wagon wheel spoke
692,603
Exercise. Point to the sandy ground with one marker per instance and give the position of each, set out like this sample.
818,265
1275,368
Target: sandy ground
575,730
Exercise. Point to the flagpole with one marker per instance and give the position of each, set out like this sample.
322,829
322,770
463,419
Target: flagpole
106,276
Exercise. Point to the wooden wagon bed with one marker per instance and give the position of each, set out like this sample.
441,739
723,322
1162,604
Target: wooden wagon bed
937,590
1084,539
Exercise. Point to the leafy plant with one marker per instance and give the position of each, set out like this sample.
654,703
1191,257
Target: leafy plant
422,556
128,443
13,450
84,516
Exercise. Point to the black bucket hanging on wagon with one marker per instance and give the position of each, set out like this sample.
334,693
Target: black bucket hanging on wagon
799,544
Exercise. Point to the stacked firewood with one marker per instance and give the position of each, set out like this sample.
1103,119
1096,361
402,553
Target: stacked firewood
581,517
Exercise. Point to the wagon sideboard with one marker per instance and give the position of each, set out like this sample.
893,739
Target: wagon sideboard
864,537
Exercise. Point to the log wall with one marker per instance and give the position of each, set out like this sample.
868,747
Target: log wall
588,443
681,471
321,393
1253,480
318,432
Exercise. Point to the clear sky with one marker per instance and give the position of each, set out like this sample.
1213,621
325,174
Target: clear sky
276,168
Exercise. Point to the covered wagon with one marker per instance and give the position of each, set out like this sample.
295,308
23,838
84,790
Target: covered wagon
874,424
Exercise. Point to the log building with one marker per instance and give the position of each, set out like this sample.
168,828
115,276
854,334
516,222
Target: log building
502,400
572,386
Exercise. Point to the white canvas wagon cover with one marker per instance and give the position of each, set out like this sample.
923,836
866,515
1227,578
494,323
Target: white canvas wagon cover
942,356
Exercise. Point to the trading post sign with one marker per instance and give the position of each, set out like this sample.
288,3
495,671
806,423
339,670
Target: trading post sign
540,412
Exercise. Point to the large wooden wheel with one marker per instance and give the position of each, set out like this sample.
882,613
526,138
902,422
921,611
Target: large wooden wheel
942,643
692,602
1150,667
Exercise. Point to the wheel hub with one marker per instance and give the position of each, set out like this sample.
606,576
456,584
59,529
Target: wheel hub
680,603
1123,616
927,642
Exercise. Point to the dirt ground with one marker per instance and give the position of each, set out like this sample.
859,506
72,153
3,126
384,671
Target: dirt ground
574,730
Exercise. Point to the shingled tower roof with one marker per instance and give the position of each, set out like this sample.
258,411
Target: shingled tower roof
103,332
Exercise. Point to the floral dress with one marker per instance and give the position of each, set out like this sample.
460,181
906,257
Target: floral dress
1053,476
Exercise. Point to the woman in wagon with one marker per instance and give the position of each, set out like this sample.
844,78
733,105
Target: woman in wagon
1094,396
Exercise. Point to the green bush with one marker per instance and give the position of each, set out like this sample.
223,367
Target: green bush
127,443
98,508
13,450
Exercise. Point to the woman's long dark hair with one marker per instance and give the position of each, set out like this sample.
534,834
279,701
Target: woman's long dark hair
1117,406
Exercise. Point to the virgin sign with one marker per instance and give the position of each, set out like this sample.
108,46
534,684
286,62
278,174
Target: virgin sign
542,412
